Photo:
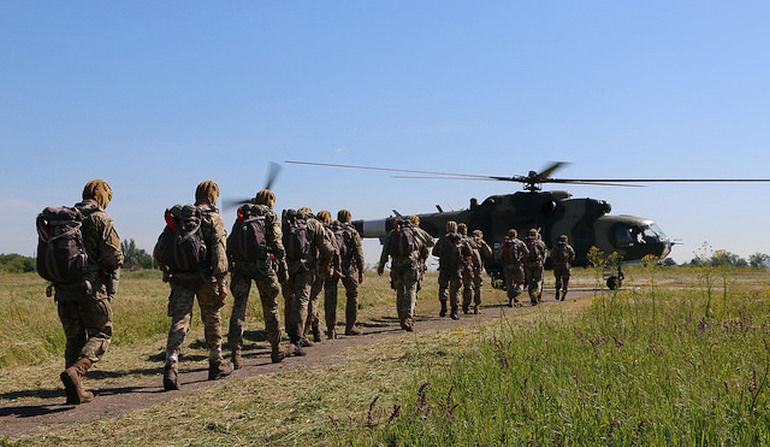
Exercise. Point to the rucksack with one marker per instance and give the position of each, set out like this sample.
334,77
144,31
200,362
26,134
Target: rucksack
61,253
402,242
248,240
295,236
184,247
451,252
536,250
560,254
345,239
510,252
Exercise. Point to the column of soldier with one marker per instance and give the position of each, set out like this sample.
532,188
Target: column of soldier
298,254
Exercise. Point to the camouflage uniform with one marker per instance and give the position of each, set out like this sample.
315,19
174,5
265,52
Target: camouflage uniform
562,257
450,264
467,268
427,241
351,273
481,250
302,274
534,266
86,315
313,322
404,274
264,274
513,252
207,285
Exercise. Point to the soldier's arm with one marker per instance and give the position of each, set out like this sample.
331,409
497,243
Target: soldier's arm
437,249
218,247
523,250
359,253
571,255
384,255
321,241
110,254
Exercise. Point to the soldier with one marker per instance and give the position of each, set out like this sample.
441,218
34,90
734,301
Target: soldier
481,251
467,265
201,226
313,321
256,253
351,272
562,257
534,265
83,296
309,252
512,253
403,246
449,250
427,241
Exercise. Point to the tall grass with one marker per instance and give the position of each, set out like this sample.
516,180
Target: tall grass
684,371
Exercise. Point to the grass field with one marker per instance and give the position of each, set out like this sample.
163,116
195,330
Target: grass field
682,363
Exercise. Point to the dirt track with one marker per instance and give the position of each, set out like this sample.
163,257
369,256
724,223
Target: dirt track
29,419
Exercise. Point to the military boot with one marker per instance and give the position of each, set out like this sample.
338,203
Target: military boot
466,310
296,349
352,330
235,358
476,310
556,296
510,302
563,294
443,309
305,343
453,314
73,384
331,334
218,370
408,325
278,354
170,378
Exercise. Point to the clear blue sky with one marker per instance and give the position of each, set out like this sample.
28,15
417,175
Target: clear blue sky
156,97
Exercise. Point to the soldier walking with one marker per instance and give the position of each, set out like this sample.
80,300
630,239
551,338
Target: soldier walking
312,326
403,246
481,251
449,251
256,253
562,257
79,253
534,265
427,241
191,252
513,253
309,252
468,262
351,273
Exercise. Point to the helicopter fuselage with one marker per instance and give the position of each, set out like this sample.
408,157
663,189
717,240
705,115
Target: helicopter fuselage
587,222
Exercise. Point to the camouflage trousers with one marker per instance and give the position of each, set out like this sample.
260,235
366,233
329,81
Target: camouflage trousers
268,288
535,281
87,322
296,294
449,288
351,305
404,280
313,307
562,274
478,282
466,279
514,281
180,307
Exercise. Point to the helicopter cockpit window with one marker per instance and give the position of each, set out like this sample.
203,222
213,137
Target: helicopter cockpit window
651,234
623,236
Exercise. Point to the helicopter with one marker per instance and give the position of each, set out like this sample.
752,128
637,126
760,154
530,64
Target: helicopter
587,222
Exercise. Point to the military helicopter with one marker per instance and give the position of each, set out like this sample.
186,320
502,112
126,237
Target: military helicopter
586,221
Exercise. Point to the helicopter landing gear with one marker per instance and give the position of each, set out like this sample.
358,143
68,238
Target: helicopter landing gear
614,278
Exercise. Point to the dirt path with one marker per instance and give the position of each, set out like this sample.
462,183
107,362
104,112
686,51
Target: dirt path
43,416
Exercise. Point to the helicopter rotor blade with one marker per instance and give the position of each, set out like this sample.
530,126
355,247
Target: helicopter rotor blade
545,174
571,182
406,171
438,177
273,169
228,204
665,180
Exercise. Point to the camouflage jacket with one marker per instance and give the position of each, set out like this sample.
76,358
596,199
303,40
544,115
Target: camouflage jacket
537,251
412,261
562,255
101,240
453,259
481,251
276,259
352,256
322,249
520,251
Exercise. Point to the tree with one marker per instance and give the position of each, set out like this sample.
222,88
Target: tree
135,258
724,258
668,262
16,263
759,260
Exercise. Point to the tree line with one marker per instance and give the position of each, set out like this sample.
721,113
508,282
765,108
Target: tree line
135,258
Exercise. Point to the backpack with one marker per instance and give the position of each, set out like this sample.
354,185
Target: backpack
452,251
510,252
295,237
184,248
560,254
248,240
402,241
345,240
61,253
536,251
